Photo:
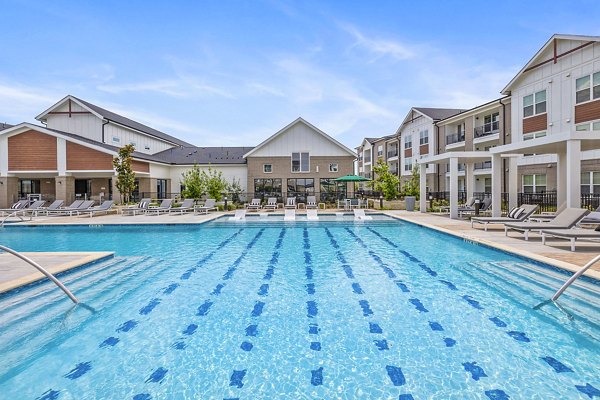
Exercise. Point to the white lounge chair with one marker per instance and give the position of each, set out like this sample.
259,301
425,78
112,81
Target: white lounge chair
70,211
290,203
571,235
254,205
311,202
164,207
548,216
141,207
16,206
104,208
186,206
359,215
290,215
565,220
518,214
271,204
209,205
56,204
240,215
312,215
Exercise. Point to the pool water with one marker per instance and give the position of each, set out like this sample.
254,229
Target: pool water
328,310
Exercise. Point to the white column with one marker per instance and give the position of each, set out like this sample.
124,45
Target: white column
561,179
496,185
423,187
454,188
573,187
513,182
61,156
469,179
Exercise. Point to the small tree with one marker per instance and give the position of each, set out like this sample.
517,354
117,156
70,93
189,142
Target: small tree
125,175
214,183
412,186
193,183
235,188
384,181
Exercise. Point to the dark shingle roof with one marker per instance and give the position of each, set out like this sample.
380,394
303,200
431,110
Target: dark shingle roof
439,113
4,125
204,155
119,119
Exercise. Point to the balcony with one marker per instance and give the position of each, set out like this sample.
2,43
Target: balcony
392,153
483,165
367,175
455,138
461,167
486,130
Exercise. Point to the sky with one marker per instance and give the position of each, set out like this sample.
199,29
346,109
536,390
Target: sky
232,73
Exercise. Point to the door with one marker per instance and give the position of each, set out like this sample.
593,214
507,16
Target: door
83,188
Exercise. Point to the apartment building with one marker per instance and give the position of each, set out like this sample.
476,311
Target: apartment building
372,150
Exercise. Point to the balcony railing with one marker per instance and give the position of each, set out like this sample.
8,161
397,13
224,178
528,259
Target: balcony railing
488,129
455,138
461,167
392,153
483,165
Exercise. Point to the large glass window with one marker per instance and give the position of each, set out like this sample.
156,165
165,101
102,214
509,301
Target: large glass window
408,164
424,137
587,88
300,162
161,188
29,186
534,183
331,190
491,122
408,142
267,187
534,104
590,182
300,188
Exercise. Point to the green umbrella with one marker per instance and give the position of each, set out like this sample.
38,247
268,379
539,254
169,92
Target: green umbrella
351,178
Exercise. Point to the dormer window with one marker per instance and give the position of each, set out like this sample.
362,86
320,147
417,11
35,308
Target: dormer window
116,139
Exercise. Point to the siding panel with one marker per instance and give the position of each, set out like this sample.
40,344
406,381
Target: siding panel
81,158
424,149
140,166
32,151
587,112
535,124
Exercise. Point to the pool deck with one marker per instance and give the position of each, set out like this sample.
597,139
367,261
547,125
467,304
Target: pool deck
15,272
557,253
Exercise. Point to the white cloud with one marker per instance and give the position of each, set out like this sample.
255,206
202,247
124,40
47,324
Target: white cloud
259,88
20,103
378,47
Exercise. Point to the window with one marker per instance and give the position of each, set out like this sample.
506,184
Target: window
587,88
367,156
424,137
408,164
491,122
268,187
587,126
380,150
300,188
332,190
29,186
267,168
534,135
300,162
147,147
534,104
161,188
333,167
408,142
590,182
116,139
534,183
488,185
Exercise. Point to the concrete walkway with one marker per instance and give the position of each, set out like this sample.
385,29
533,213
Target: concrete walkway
556,253
15,272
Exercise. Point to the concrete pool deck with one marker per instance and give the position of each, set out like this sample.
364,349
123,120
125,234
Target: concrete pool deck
15,272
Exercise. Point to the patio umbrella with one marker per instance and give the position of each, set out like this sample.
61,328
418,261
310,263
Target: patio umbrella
351,178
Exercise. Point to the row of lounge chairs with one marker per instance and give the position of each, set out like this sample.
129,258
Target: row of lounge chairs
78,207
290,204
311,215
166,207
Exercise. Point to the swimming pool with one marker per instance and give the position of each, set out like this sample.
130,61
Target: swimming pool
264,310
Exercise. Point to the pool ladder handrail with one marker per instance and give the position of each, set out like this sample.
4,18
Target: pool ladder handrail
14,213
42,270
572,279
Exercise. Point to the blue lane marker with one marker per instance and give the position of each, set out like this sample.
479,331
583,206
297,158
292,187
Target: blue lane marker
310,288
309,272
316,376
246,346
147,309
316,346
498,322
171,288
348,271
49,395
450,285
258,309
251,330
425,268
79,370
203,309
476,371
264,290
519,336
237,378
406,397
435,326
449,342
110,341
375,328
588,390
357,289
396,375
366,308
497,394
474,303
191,328
269,273
313,329
557,365
186,275
142,396
158,375
178,345
312,309
381,344
418,305
217,290
402,286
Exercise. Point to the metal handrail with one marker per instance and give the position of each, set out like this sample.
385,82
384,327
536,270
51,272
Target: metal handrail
42,270
574,277
14,213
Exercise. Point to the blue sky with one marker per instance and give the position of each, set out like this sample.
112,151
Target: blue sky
235,72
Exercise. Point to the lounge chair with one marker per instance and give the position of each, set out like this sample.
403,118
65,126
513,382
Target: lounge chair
312,215
548,216
209,205
254,205
16,206
565,220
240,215
84,205
271,204
32,209
140,208
359,215
186,206
164,207
572,235
469,204
290,203
290,215
526,210
591,218
104,208
485,205
311,202
55,205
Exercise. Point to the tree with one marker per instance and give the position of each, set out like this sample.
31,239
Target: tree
384,181
214,183
235,188
412,186
194,185
125,175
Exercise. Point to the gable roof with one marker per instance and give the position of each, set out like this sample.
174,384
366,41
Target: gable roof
4,125
116,118
204,155
535,60
301,120
437,114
